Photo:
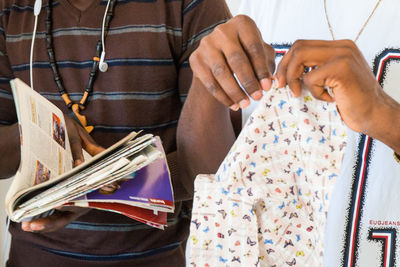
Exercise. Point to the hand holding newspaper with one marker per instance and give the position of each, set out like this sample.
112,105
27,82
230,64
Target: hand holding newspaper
134,169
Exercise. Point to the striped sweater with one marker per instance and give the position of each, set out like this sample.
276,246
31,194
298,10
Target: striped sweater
148,46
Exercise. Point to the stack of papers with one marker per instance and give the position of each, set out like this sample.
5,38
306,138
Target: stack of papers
131,177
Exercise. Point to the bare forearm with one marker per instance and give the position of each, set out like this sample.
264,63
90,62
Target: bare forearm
205,134
9,150
386,124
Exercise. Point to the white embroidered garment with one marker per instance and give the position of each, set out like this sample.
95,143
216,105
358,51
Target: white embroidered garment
267,204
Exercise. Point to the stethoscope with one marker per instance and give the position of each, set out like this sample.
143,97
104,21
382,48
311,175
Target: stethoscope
103,66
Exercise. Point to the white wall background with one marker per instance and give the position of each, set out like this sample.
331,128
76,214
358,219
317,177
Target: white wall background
234,5
4,184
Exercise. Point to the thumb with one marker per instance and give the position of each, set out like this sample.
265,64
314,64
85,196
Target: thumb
51,223
88,143
74,141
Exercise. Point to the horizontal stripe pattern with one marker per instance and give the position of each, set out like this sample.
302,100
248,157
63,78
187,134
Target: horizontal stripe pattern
5,94
185,64
13,38
128,129
4,80
123,256
104,2
197,37
20,9
183,97
115,227
113,96
5,122
191,6
88,63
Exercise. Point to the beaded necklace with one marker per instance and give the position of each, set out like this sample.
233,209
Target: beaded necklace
81,105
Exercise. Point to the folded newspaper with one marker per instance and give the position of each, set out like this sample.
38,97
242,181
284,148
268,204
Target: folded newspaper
131,177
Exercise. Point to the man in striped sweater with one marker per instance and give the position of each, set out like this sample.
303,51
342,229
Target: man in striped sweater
148,46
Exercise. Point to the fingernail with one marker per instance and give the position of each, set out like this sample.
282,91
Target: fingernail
244,103
77,162
275,84
26,227
37,227
256,95
265,84
234,107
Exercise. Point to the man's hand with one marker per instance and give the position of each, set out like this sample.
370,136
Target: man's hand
339,65
235,47
57,220
206,125
79,139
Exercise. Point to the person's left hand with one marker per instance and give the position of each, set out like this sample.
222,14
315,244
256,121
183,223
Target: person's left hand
234,48
339,65
59,219
79,139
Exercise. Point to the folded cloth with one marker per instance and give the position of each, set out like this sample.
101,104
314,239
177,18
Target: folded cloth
267,203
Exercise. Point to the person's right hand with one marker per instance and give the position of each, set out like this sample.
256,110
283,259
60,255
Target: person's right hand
79,139
235,47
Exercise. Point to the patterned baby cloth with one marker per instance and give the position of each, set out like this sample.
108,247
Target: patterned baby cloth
268,201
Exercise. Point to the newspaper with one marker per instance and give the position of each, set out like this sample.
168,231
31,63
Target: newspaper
46,178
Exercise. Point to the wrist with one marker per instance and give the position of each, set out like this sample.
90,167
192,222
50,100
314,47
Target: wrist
386,124
204,100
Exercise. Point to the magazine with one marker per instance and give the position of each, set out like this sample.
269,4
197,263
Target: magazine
131,177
